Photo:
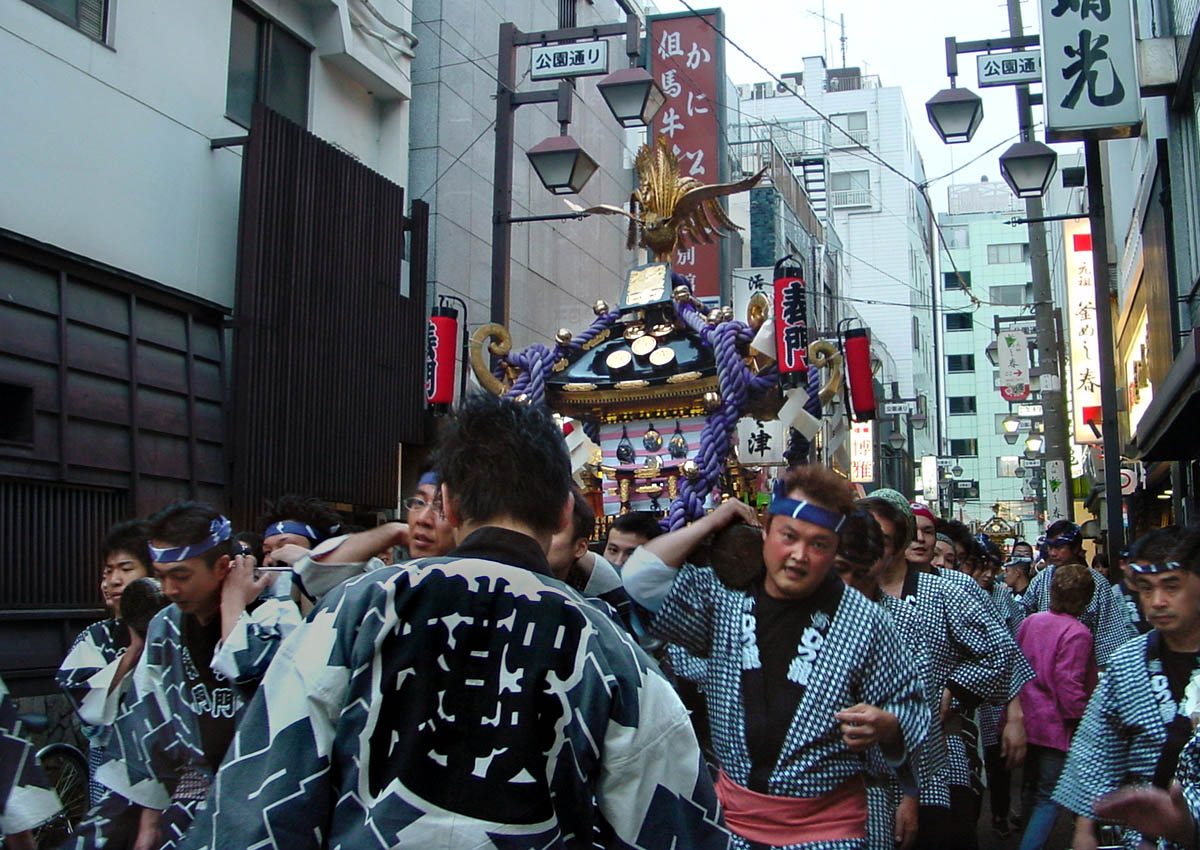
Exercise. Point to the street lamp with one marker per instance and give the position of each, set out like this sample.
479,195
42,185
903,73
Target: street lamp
918,419
992,353
955,114
1034,443
896,441
957,471
632,96
1028,168
1011,424
561,164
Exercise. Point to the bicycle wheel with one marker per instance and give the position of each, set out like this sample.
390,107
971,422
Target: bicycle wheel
67,770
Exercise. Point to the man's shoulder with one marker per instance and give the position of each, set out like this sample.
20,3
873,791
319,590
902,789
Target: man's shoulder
1129,657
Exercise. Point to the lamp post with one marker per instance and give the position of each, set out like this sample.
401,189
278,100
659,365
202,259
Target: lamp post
1025,169
913,410
561,164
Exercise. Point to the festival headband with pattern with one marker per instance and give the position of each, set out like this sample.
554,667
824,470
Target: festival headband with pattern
1072,535
429,478
944,538
1155,569
288,526
781,505
220,530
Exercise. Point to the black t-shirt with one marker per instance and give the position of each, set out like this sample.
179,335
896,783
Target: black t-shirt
1178,667
210,694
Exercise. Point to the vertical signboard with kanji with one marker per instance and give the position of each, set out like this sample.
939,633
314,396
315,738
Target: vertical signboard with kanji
687,58
1090,69
862,452
1081,320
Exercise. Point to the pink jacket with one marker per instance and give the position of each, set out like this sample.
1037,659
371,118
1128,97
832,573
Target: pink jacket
1059,649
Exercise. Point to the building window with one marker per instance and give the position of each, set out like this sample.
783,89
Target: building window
16,414
90,17
854,125
964,448
1006,467
960,404
960,362
950,279
916,334
1007,295
956,236
1012,252
958,321
268,64
851,188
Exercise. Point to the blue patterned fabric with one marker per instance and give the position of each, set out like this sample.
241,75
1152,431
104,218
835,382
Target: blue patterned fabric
26,798
461,702
858,662
1122,733
1109,623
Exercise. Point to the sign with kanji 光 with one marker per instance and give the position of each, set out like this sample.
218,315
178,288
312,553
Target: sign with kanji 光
687,60
1009,69
1081,322
578,59
1091,77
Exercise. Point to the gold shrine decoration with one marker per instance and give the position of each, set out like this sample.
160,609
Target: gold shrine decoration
668,210
500,344
823,354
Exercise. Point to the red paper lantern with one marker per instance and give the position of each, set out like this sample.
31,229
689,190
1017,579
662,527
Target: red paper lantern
791,322
441,355
858,370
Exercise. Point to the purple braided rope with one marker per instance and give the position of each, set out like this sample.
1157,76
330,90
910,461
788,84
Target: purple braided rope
575,346
715,440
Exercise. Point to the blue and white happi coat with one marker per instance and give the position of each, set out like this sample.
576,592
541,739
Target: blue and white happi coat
971,653
461,702
26,799
156,756
1011,614
856,661
929,765
1109,622
1123,733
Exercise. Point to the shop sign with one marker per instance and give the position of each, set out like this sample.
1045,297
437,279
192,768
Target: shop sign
862,452
1081,320
1138,388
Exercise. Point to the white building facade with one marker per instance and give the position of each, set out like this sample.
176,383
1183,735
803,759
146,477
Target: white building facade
881,216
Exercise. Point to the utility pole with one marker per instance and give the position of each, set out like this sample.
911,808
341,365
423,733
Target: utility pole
1053,398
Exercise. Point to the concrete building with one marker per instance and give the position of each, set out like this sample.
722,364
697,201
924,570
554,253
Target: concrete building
992,258
558,268
881,217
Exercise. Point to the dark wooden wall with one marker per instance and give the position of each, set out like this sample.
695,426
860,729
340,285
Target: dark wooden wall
328,349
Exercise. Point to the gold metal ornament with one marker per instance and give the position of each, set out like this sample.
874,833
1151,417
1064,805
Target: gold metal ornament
711,401
690,470
563,336
681,293
824,354
757,310
668,210
600,307
499,343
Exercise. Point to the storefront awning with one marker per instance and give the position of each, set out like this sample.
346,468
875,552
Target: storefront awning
1167,430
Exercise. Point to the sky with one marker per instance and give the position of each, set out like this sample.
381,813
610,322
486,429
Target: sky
903,43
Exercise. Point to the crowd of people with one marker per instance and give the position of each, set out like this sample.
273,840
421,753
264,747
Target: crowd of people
483,674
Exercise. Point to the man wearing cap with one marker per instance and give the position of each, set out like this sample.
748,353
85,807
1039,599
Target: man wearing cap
803,676
204,656
1137,720
1110,626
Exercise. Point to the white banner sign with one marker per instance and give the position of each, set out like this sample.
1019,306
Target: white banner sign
747,282
761,442
578,59
1081,322
1009,69
1090,68
929,477
1012,355
862,453
1057,492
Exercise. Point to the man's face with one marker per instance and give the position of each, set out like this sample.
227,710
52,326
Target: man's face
985,575
1171,601
920,551
945,556
797,555
278,541
192,584
1061,554
889,547
565,549
429,534
1023,550
1014,577
620,546
120,568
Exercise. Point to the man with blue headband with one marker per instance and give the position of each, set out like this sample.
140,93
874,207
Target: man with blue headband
1143,712
803,675
1110,626
204,657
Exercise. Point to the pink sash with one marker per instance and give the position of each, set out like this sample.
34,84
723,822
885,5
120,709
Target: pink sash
778,821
